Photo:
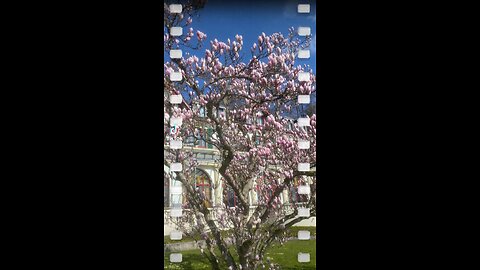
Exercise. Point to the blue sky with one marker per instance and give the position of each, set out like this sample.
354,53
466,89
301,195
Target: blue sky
224,19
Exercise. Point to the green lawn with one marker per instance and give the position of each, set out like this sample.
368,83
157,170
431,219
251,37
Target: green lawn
285,255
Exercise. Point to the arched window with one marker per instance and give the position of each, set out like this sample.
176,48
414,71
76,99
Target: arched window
200,138
230,198
203,187
189,139
175,200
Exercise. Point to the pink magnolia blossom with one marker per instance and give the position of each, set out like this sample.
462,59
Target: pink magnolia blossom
264,154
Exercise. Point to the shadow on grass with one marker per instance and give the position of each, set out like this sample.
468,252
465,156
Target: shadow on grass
286,256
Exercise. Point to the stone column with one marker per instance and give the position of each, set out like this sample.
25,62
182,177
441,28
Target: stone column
218,188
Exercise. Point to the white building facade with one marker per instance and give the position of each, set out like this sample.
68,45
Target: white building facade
208,180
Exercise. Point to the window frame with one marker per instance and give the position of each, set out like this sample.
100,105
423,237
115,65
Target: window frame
208,186
229,190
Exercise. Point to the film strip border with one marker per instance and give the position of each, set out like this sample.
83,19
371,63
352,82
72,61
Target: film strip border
304,121
176,211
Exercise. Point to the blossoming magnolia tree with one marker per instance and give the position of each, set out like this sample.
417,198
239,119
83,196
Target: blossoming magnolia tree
262,156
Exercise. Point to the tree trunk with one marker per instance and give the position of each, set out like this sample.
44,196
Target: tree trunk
243,260
246,257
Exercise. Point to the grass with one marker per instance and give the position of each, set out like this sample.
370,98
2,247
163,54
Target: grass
285,256
293,231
